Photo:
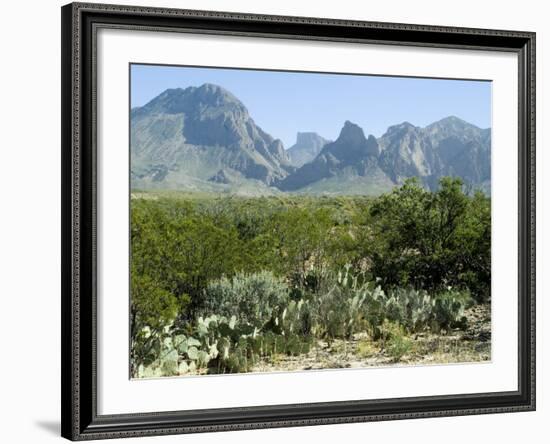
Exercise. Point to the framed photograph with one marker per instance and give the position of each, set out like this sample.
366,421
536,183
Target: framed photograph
282,221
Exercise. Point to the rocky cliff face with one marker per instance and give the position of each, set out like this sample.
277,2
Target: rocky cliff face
193,133
307,147
449,147
405,152
462,150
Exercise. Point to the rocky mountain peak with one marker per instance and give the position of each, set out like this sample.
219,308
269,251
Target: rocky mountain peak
308,138
351,134
209,125
192,100
352,147
400,129
214,95
308,145
456,128
451,120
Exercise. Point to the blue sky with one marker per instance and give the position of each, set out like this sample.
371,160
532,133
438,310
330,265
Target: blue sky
283,103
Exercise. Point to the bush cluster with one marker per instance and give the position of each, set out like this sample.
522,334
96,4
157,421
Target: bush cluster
255,318
248,276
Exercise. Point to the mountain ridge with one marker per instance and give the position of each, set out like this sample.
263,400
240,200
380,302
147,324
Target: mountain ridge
204,138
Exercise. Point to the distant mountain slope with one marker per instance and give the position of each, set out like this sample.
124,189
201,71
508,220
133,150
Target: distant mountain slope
464,150
188,134
449,147
308,145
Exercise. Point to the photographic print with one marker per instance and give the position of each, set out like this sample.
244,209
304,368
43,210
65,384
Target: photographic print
299,221
251,202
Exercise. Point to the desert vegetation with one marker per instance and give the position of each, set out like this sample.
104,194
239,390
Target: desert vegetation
229,284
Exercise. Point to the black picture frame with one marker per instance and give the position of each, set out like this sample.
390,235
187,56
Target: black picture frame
80,420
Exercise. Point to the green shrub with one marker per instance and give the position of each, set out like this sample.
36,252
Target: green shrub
395,340
399,346
429,240
411,244
253,298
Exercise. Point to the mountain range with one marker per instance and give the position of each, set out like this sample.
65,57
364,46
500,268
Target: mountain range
204,139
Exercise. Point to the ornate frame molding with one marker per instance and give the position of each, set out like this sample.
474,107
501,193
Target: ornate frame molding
80,22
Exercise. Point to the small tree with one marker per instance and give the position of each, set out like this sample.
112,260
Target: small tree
431,240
